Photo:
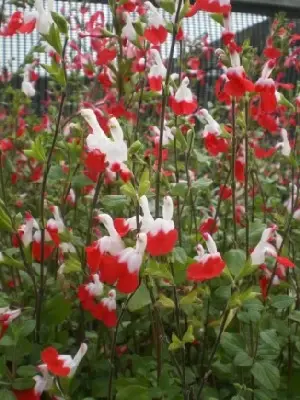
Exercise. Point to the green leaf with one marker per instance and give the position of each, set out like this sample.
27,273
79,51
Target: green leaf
53,39
242,359
144,185
56,72
181,143
5,221
115,201
176,343
202,183
165,301
133,392
179,255
128,190
37,150
266,375
72,265
7,395
156,269
7,341
135,147
235,260
190,298
27,327
23,383
282,301
57,310
295,316
60,22
168,5
27,371
179,189
218,18
270,338
189,337
80,181
140,299
232,343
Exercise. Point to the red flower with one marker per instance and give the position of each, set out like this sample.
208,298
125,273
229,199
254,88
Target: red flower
95,161
267,89
156,36
209,225
212,6
267,121
105,56
260,152
239,170
207,265
121,226
183,103
225,192
161,243
50,357
215,145
238,84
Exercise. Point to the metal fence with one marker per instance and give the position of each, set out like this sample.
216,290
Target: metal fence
253,26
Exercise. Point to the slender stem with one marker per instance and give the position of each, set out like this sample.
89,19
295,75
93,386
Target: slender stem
177,198
233,186
214,350
42,200
246,187
113,347
163,109
179,331
93,206
3,191
217,214
204,337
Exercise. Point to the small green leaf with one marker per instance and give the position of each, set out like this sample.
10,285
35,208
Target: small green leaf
60,22
242,359
156,269
180,255
140,299
7,395
168,5
53,39
235,260
80,181
189,337
7,341
165,301
179,189
295,316
282,301
37,150
23,383
72,265
266,375
201,183
144,185
27,327
57,310
176,343
133,392
128,190
218,18
27,371
190,298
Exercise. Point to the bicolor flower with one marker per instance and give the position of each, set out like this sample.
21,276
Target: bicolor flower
213,141
264,248
157,72
238,83
183,103
63,365
155,33
212,6
265,86
128,31
208,265
130,261
161,233
106,310
6,318
27,86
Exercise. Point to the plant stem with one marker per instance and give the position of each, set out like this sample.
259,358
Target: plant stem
42,200
214,350
246,188
113,348
220,201
93,206
163,109
233,153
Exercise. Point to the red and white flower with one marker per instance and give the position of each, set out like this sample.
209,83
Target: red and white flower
128,31
212,6
183,103
264,248
161,234
6,318
155,33
157,72
62,365
27,85
130,261
106,310
265,86
208,265
213,141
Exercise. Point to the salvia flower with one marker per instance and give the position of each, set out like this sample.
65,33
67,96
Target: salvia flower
7,316
183,103
212,6
155,33
157,72
63,365
208,265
